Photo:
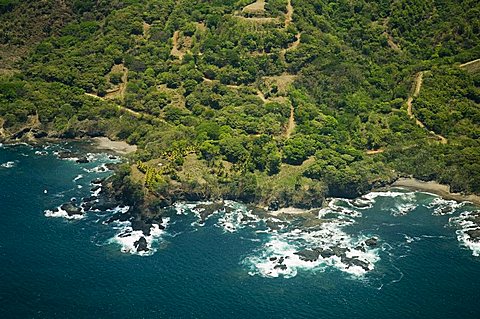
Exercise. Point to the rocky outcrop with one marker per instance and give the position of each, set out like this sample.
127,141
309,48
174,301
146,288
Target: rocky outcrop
371,242
141,245
308,255
71,209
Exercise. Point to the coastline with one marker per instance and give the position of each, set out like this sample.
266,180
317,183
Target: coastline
120,147
99,143
435,188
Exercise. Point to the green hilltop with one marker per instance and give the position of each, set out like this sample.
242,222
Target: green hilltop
277,101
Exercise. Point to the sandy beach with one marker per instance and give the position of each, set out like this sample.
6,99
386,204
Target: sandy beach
435,188
120,147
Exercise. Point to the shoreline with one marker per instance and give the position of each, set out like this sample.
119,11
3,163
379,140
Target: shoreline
98,143
120,147
435,188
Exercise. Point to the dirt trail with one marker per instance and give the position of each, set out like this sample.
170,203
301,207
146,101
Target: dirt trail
372,152
121,108
122,87
258,7
390,40
472,66
291,122
262,96
289,14
416,92
146,29
175,51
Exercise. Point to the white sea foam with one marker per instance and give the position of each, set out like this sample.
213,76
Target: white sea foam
332,207
78,177
98,169
42,153
278,255
126,237
442,206
466,223
236,218
403,209
60,213
8,164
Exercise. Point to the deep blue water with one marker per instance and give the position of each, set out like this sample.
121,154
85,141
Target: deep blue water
58,268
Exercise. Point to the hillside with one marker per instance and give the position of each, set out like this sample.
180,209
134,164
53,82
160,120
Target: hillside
278,102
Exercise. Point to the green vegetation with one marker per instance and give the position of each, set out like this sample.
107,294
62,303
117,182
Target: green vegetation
250,105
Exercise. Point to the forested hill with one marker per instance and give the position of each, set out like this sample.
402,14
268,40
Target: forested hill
276,101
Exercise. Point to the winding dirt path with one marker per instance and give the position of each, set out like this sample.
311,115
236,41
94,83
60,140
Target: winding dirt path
416,92
289,14
291,122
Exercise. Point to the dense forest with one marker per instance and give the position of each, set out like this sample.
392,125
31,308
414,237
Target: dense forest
278,101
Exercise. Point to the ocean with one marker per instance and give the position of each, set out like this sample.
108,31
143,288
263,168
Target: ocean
392,254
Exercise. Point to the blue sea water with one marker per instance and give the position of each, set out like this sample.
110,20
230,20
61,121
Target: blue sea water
60,268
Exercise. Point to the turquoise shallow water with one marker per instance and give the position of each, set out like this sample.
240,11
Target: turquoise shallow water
58,268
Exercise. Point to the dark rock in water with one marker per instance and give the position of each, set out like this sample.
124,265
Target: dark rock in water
64,154
246,218
308,255
97,181
90,198
122,217
355,262
209,209
142,226
474,217
446,210
361,248
274,206
361,203
73,199
280,266
87,206
82,160
111,166
272,258
112,157
371,242
273,225
326,253
71,209
474,234
95,188
103,205
339,251
141,244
